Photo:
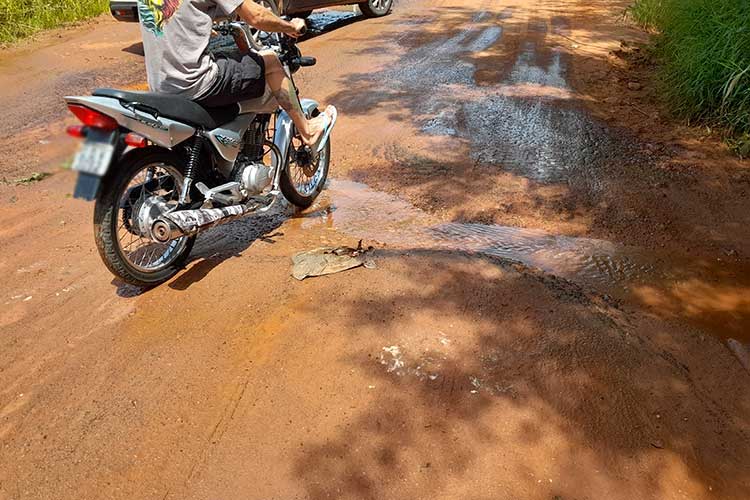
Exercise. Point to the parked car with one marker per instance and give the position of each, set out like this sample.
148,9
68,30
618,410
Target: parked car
127,10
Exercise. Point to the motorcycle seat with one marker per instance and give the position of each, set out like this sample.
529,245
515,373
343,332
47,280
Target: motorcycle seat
175,107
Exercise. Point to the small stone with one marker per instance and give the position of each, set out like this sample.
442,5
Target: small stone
657,443
634,86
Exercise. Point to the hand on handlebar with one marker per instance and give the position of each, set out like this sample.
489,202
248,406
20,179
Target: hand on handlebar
300,28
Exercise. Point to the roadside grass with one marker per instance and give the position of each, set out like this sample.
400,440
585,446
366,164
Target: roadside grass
21,18
704,51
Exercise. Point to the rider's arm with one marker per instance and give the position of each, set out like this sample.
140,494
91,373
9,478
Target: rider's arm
265,20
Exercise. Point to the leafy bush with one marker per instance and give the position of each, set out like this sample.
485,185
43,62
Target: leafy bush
20,18
705,48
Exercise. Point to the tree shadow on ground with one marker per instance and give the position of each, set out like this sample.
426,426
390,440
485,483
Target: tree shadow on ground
499,381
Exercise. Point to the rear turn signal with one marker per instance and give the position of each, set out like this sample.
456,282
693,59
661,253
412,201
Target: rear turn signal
93,119
78,131
135,140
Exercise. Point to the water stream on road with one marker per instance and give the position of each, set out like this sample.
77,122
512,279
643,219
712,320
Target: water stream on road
356,209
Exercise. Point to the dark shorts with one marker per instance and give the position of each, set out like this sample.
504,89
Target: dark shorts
238,79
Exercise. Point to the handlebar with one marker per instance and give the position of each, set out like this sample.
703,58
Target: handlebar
285,46
243,35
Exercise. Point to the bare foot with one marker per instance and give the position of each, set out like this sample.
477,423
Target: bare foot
316,127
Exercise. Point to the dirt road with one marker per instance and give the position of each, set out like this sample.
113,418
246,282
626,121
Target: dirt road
560,310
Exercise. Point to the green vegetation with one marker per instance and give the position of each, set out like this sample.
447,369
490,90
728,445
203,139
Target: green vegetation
20,18
704,47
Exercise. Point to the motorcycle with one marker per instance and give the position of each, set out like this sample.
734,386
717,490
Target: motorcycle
162,168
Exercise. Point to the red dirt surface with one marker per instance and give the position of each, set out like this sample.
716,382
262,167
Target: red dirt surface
558,312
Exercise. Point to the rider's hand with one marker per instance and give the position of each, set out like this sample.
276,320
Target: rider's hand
299,27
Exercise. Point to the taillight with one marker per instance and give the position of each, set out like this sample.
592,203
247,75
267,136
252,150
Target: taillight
93,119
78,131
134,140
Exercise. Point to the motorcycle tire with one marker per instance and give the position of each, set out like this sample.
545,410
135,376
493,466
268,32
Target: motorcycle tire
108,218
299,197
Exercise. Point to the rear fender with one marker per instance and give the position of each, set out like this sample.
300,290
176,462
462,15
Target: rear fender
159,130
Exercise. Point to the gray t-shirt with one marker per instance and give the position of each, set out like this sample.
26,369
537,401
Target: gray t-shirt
175,37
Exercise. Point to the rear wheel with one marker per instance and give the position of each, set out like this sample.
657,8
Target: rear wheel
375,8
146,183
303,179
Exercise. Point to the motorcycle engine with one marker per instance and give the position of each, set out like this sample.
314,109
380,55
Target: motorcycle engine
253,176
250,171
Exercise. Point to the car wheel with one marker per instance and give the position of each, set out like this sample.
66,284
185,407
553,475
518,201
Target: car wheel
376,8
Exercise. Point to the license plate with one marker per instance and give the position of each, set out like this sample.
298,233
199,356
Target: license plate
94,158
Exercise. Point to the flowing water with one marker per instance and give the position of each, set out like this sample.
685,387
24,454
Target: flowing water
355,209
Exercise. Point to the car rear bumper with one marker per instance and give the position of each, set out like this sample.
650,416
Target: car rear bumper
124,10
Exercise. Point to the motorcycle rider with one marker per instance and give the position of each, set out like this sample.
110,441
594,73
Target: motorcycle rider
175,37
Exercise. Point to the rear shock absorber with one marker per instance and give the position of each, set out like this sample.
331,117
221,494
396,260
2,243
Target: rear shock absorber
194,153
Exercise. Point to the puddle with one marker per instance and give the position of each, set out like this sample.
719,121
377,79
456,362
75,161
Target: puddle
354,208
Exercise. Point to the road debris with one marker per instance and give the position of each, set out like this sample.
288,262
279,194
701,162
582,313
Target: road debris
34,177
329,260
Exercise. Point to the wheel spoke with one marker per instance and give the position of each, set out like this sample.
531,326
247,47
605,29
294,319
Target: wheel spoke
141,252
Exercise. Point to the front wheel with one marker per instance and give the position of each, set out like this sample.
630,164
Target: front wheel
303,179
375,8
145,183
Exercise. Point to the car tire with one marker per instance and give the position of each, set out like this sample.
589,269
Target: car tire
375,8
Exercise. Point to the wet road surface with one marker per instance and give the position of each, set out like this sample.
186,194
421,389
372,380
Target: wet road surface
524,336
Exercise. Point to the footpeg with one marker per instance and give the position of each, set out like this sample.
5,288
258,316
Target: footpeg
215,194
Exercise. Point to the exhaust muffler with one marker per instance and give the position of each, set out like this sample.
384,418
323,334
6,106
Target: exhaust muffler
190,222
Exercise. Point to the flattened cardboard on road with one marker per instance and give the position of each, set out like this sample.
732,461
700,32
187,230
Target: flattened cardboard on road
329,260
